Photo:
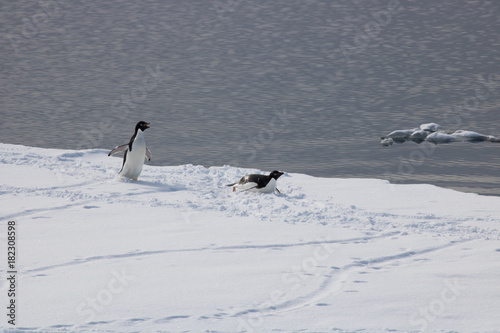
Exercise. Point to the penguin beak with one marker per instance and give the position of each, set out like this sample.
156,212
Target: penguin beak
279,174
147,125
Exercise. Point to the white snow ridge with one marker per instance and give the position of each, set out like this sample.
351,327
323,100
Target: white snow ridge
179,251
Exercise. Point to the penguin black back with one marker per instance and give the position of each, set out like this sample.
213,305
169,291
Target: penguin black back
260,180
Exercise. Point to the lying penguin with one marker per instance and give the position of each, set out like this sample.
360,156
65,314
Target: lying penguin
258,183
135,152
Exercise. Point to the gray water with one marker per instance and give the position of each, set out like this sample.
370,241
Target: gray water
295,85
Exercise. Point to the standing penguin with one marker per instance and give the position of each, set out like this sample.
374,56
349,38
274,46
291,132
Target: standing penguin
135,152
258,183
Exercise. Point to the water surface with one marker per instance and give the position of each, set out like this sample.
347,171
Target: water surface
300,86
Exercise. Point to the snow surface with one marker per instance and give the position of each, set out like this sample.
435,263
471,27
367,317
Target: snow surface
178,251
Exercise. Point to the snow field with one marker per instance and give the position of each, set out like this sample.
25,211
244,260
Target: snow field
178,251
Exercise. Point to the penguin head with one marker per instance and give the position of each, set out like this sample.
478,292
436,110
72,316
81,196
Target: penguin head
142,125
276,174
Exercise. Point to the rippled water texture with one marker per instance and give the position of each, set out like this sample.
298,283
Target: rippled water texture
299,86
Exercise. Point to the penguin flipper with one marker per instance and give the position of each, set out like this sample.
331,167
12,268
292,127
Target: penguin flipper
148,154
247,187
118,149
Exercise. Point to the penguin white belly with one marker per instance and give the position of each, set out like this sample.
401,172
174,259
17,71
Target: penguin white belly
134,161
269,188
